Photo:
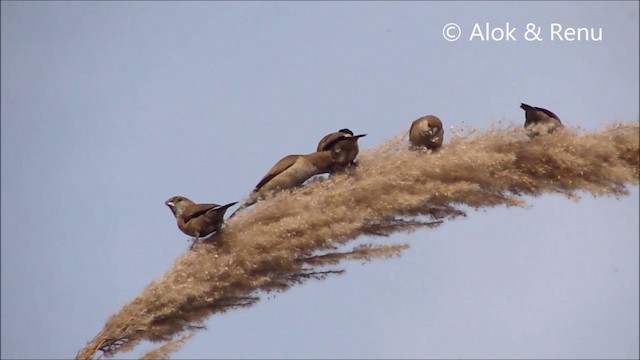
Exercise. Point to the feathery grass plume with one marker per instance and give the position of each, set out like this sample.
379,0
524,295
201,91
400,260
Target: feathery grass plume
299,235
168,348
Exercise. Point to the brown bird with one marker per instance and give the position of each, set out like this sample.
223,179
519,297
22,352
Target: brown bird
197,220
293,170
426,131
539,121
343,141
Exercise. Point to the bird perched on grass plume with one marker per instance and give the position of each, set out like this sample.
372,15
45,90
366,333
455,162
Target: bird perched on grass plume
293,170
539,121
197,220
426,131
342,139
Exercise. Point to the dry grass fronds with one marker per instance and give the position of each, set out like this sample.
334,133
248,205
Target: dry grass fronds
168,348
287,239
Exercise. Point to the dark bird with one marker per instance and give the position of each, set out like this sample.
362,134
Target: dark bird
539,121
426,131
197,220
293,170
343,141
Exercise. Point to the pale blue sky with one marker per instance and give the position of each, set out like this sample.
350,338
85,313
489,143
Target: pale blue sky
108,109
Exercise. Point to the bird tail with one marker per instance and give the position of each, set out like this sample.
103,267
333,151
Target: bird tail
330,144
225,207
526,107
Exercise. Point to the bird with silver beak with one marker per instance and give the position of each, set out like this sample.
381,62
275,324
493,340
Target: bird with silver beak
426,131
197,220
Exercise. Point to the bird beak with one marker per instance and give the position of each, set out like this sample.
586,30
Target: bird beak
170,203
433,131
359,136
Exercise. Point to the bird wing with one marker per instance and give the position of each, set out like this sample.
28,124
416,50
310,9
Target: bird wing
196,210
549,113
334,140
413,124
282,165
328,141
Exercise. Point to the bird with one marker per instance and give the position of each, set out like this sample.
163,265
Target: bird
426,131
293,170
539,121
197,220
343,140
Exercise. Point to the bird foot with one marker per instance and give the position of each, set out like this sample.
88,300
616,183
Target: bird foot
193,243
